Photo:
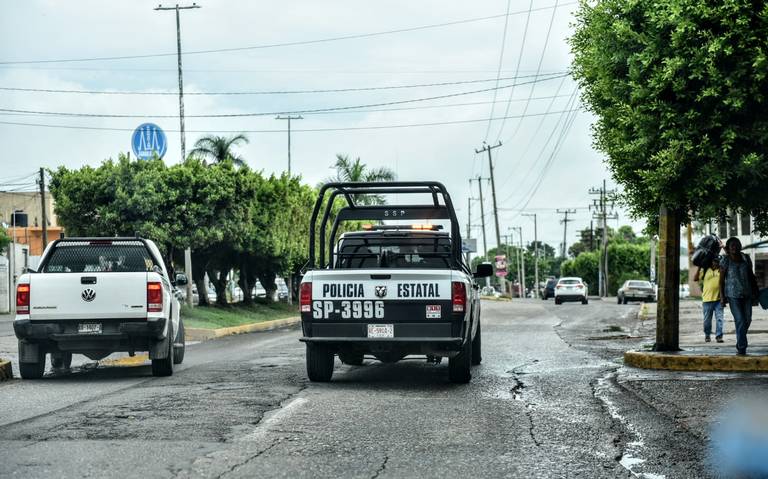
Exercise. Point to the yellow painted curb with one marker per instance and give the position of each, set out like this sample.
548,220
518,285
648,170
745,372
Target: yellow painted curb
137,360
6,371
690,362
492,298
200,334
643,313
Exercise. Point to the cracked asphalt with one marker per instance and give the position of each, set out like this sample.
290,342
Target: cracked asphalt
551,399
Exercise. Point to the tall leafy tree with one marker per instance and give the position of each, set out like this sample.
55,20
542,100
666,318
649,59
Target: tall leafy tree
348,170
679,89
5,240
219,149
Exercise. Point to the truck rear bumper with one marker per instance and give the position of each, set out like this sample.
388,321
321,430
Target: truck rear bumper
67,330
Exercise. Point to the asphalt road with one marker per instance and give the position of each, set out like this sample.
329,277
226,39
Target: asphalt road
549,400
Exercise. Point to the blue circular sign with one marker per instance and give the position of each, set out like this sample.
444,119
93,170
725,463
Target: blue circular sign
149,140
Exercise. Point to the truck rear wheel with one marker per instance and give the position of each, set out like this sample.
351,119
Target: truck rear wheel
180,345
477,356
164,366
319,363
33,370
460,366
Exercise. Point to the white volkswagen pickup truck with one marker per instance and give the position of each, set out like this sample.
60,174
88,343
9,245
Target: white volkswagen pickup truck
399,287
96,296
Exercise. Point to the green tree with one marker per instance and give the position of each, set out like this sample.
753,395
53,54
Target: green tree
5,240
348,171
218,149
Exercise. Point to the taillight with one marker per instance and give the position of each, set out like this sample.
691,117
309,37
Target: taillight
154,297
458,296
559,286
305,297
22,299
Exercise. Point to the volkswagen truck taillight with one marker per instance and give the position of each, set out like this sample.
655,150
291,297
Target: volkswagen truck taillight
22,299
154,297
458,296
305,297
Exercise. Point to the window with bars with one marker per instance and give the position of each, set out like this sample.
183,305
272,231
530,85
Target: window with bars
99,257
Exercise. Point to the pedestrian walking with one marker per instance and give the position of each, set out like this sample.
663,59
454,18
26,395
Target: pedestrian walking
710,299
738,287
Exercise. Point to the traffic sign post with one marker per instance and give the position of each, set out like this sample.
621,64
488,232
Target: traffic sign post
148,141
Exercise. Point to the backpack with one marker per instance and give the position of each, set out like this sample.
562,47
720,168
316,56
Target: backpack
706,251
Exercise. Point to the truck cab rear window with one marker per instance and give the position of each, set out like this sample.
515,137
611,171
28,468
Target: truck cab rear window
382,252
91,258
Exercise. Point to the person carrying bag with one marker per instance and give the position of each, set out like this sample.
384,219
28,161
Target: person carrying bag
738,287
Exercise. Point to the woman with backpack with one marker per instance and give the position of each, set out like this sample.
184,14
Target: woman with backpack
738,287
710,299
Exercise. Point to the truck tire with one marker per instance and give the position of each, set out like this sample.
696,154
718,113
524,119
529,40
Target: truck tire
477,354
32,370
178,351
460,366
352,358
319,363
164,366
61,360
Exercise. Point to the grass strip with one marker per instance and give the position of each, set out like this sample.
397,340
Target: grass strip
214,317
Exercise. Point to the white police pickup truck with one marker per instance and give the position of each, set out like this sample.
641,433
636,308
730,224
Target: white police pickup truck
96,296
390,290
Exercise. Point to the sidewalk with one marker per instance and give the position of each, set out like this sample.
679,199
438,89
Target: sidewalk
698,355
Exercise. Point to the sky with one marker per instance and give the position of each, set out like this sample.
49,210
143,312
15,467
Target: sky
546,161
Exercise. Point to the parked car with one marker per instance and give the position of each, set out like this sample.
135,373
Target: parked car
259,291
96,296
636,290
549,288
570,289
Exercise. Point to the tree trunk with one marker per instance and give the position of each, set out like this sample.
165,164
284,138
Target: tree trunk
219,281
202,293
268,283
668,313
246,285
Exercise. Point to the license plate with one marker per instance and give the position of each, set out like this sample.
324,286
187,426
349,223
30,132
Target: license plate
433,311
89,328
381,330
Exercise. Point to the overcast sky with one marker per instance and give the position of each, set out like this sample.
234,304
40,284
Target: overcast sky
546,160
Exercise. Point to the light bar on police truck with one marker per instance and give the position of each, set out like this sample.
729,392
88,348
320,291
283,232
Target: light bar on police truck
424,227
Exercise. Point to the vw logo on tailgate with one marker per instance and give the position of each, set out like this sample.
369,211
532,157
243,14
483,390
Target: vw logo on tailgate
88,295
380,291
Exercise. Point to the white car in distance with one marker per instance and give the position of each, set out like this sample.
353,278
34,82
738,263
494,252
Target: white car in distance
571,289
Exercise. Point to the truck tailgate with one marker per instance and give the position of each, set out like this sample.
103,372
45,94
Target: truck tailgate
88,296
389,295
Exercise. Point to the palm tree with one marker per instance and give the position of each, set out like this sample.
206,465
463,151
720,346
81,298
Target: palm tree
218,149
348,171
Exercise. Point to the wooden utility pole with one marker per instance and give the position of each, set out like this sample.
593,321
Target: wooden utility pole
188,251
535,253
488,148
600,208
482,209
565,222
43,208
668,314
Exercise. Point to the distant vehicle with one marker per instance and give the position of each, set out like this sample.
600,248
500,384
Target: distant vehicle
489,291
570,289
96,296
684,291
282,289
636,290
259,291
549,288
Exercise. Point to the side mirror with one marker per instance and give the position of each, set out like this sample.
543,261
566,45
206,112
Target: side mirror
181,279
483,270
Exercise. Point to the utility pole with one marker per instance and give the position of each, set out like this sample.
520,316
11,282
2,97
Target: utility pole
518,257
600,208
482,209
508,239
188,251
41,181
488,148
289,118
536,253
522,260
565,221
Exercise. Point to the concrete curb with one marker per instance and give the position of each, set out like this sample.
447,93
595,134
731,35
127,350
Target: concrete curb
200,334
696,362
6,372
492,298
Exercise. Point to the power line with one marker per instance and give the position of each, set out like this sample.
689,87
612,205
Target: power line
498,70
272,113
357,128
283,44
267,92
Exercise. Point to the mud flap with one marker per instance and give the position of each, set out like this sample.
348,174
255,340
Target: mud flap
159,349
29,352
